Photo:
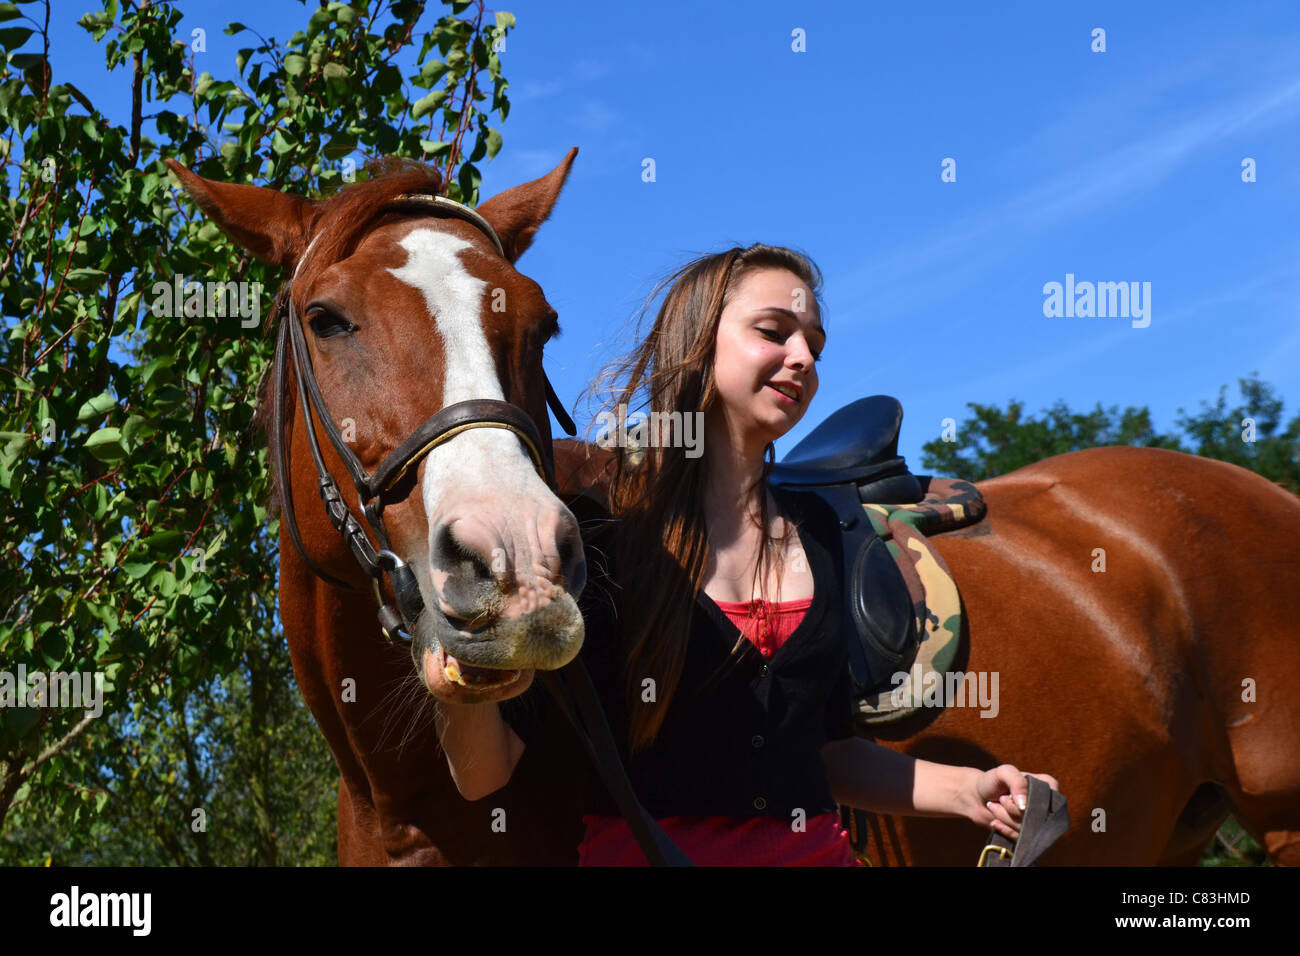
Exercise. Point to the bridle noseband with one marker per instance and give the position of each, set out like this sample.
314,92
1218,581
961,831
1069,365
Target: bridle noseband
392,480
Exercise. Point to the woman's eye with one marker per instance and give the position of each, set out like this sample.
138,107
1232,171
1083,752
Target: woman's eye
772,334
326,325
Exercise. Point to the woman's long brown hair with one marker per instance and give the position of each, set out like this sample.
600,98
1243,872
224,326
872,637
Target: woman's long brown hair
661,549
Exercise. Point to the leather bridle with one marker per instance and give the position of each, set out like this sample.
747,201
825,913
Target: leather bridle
390,481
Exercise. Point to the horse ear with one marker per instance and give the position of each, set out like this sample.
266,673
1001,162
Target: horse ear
269,224
518,213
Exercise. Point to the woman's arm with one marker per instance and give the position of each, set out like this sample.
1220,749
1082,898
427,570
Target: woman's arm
482,750
865,775
870,777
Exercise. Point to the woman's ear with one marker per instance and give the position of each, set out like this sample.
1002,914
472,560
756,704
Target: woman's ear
268,224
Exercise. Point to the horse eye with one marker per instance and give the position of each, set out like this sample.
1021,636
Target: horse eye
326,325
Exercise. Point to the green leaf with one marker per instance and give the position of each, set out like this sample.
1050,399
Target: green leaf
468,179
318,21
164,542
27,61
106,445
9,12
101,501
427,104
130,428
164,581
157,365
493,143
14,37
85,278
505,20
135,570
340,146
295,64
234,27
432,71
335,71
96,407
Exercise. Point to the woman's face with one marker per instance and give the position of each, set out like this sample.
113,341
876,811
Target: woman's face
768,339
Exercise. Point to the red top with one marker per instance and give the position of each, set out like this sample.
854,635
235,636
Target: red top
722,841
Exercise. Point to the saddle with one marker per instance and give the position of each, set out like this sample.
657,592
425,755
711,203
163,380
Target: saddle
899,596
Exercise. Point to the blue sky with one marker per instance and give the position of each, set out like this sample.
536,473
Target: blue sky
1115,166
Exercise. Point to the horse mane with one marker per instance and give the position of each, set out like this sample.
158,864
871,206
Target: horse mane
342,221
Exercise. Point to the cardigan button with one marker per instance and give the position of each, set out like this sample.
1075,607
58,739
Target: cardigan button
762,671
760,803
756,740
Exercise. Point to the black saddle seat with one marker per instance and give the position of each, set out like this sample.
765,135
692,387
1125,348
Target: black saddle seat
857,445
849,460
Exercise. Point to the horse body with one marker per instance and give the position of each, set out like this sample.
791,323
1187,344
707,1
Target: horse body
1133,685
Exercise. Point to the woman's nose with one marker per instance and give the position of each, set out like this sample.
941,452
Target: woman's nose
800,355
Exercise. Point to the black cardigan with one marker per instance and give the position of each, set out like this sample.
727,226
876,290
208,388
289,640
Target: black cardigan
749,746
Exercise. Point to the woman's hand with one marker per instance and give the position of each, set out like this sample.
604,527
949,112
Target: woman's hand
998,796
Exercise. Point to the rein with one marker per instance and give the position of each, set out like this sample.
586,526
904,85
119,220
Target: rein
390,484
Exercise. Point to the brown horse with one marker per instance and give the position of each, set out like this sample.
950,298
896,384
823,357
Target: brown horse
406,313
1159,691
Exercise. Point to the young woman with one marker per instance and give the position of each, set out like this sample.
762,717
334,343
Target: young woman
712,624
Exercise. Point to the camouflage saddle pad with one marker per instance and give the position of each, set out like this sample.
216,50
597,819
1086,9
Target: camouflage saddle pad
948,504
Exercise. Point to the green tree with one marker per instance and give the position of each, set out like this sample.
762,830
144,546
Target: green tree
135,538
992,442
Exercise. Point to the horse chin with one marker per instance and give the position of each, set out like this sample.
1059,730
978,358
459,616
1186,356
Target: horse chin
449,681
498,661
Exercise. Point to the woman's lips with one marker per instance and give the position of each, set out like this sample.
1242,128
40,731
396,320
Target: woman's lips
784,397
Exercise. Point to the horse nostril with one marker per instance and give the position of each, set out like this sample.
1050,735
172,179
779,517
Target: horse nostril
470,584
573,563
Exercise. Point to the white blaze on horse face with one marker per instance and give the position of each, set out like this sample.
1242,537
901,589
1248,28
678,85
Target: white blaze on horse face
482,475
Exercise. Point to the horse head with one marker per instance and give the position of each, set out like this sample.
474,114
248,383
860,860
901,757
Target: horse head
420,347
